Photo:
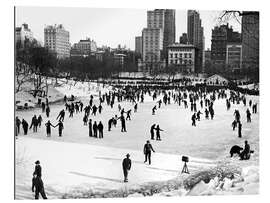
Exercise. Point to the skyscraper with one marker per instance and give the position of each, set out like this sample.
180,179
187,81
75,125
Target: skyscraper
250,39
169,28
56,39
158,35
138,45
196,36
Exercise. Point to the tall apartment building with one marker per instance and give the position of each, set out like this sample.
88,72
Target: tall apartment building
138,45
250,39
221,37
152,44
56,39
160,32
83,48
23,33
195,36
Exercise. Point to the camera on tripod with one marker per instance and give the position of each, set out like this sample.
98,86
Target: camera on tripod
185,159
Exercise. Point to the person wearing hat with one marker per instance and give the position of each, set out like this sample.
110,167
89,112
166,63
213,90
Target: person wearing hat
37,169
126,164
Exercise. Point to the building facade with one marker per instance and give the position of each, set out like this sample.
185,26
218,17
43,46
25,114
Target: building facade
195,34
119,60
160,32
221,37
152,48
23,33
182,56
56,39
250,39
83,48
138,45
234,56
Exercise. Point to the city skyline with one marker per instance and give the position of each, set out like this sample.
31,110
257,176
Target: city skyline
81,23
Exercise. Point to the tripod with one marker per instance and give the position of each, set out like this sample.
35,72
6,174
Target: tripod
185,168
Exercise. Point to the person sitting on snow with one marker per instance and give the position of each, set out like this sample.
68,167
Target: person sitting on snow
245,154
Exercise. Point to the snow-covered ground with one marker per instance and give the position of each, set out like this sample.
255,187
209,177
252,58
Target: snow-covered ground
76,162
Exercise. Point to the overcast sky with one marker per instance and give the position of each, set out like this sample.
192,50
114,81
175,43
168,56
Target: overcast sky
107,26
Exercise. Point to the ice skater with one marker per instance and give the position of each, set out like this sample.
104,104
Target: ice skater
158,132
60,128
239,129
25,126
48,128
100,130
152,132
90,128
154,110
126,165
147,149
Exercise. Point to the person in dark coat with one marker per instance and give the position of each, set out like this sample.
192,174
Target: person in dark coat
38,187
126,165
152,131
193,118
239,129
25,126
85,118
99,109
100,130
37,182
234,124
123,123
90,128
110,122
48,128
135,107
18,124
60,128
154,110
39,120
48,111
158,132
246,152
128,114
61,115
95,128
147,151
248,116
43,107
34,123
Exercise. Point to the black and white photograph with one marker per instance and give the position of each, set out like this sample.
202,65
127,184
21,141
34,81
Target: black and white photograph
136,102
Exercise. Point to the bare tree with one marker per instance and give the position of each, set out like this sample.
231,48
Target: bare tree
22,75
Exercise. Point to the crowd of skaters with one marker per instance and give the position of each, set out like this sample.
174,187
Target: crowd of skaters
200,102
